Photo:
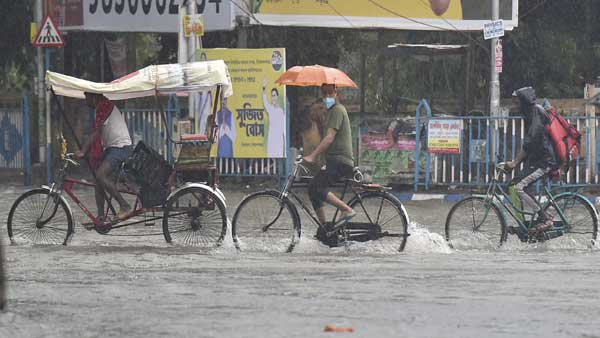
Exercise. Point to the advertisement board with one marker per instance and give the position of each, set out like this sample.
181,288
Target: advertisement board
159,16
252,122
443,136
394,14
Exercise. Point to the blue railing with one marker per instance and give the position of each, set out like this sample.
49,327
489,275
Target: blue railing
485,141
15,139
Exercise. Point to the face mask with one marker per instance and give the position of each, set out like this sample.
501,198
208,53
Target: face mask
329,102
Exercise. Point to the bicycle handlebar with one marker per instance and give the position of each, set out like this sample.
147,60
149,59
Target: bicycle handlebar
69,159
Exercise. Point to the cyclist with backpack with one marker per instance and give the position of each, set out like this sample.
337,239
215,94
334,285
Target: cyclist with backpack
537,152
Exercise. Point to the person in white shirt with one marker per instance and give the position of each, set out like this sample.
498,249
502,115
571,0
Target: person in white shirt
276,133
109,146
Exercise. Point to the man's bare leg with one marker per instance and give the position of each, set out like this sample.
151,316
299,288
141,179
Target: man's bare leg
332,199
99,194
103,177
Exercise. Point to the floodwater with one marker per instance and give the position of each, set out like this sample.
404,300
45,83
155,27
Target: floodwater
131,286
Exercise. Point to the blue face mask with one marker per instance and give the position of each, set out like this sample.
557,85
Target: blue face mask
329,102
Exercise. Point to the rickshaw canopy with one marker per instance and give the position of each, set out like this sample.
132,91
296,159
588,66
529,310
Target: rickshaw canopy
166,79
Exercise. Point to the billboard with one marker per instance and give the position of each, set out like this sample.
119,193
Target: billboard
252,122
155,16
393,14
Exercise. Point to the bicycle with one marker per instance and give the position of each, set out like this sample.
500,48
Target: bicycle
192,214
269,219
482,218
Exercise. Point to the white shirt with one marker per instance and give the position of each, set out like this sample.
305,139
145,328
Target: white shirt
114,130
276,134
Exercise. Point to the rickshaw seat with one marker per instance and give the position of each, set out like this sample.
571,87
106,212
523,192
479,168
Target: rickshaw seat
194,137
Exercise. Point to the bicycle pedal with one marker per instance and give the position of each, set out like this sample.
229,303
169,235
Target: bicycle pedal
89,226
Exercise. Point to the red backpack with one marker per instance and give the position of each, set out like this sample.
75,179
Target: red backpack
565,138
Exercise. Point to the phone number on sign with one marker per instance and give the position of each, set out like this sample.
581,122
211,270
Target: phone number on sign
146,6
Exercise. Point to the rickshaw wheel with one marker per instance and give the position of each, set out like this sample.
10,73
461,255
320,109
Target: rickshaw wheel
195,216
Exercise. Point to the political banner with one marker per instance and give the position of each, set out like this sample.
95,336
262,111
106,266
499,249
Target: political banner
395,14
160,16
252,122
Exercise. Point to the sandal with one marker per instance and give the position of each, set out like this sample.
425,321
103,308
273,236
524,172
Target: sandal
543,226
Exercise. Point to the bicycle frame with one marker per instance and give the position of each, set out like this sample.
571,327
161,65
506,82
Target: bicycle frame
286,192
66,184
496,192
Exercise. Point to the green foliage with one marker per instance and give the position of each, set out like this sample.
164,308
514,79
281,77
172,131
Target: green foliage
17,55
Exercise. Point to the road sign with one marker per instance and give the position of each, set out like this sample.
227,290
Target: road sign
494,29
48,35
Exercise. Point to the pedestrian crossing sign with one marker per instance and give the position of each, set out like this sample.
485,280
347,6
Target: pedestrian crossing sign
48,35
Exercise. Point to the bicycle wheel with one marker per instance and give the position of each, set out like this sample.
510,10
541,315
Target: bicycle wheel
36,217
582,227
265,222
475,222
382,216
195,216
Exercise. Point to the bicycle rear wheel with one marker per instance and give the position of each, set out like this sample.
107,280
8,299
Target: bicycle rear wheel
475,222
265,222
582,227
37,217
195,216
381,215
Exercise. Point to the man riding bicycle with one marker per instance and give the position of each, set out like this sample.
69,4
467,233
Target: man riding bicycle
339,160
109,145
538,154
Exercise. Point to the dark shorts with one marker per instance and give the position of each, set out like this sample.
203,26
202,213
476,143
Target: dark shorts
318,188
115,156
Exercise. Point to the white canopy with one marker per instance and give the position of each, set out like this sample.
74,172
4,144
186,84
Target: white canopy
157,79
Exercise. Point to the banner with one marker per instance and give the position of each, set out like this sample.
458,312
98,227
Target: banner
395,14
443,136
160,16
252,122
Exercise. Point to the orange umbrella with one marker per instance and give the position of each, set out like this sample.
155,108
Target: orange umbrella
315,76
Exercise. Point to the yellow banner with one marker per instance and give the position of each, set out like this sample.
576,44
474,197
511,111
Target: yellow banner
394,14
252,122
364,8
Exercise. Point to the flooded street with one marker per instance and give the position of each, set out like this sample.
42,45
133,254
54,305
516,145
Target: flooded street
130,286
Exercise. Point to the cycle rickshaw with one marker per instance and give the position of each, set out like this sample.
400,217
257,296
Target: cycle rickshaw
192,212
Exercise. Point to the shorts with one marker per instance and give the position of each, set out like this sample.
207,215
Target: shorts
318,188
115,156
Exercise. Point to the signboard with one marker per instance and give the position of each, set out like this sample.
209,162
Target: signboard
48,35
193,24
494,29
444,136
160,16
253,122
395,14
499,56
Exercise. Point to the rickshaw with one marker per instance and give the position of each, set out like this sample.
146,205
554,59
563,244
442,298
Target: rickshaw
184,196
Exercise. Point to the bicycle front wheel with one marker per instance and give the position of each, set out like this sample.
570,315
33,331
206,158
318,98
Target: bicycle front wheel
475,222
265,222
581,227
381,215
38,217
195,216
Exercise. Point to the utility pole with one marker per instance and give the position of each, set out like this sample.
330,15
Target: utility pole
191,57
494,77
40,87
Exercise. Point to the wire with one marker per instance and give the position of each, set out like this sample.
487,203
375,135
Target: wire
533,8
341,15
